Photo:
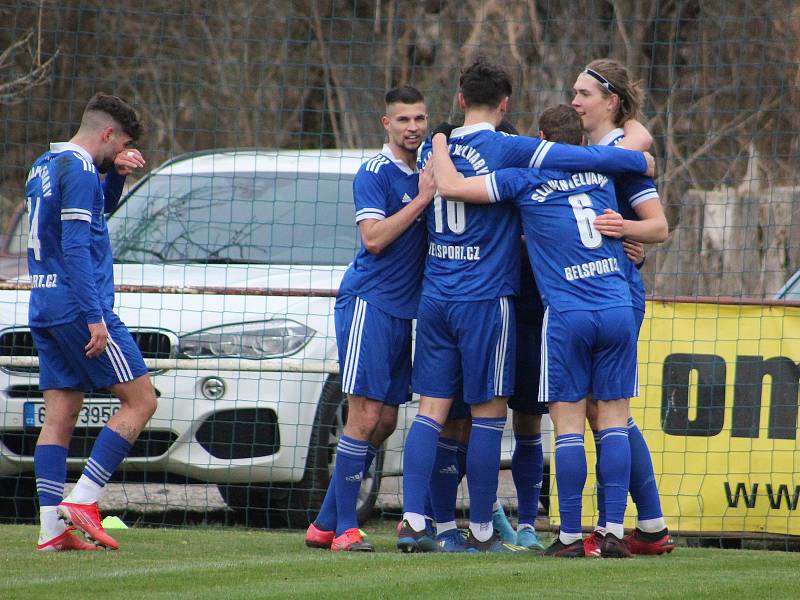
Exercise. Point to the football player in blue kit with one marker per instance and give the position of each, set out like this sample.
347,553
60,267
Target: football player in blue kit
376,303
588,332
609,103
82,344
527,460
465,324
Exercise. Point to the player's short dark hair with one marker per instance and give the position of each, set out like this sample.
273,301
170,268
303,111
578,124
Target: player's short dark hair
119,110
561,124
484,84
507,126
404,94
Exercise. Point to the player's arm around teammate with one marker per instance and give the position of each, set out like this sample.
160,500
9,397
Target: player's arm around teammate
609,102
376,303
567,397
369,419
82,344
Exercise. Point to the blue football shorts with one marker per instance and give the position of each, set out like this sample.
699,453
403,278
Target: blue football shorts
63,363
588,351
475,340
374,351
530,314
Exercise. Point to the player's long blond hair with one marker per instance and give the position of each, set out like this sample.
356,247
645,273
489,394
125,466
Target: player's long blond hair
631,95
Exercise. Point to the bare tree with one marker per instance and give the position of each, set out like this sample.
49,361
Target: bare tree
721,79
15,82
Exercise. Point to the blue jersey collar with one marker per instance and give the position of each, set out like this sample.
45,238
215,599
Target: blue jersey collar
612,137
468,129
58,147
387,152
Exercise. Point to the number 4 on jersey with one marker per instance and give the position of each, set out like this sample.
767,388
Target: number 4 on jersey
34,243
585,216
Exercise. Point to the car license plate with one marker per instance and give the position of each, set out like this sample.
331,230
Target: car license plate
92,413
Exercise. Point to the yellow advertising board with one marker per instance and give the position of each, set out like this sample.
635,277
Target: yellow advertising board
718,408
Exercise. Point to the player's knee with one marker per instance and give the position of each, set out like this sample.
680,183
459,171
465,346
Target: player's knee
612,413
388,422
493,409
150,402
361,424
526,424
434,408
139,395
145,396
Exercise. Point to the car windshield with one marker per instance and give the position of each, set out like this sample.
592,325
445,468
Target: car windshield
792,289
261,218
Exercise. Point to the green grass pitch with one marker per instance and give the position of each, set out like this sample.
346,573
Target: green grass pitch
223,563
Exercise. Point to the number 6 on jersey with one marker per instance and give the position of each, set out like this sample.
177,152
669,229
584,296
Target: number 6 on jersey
585,216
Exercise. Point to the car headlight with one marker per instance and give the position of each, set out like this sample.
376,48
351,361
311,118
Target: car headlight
260,339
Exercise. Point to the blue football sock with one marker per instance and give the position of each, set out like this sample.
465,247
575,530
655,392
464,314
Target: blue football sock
615,467
109,450
644,491
50,466
351,455
444,481
600,494
429,501
527,468
483,466
326,519
461,459
419,454
570,479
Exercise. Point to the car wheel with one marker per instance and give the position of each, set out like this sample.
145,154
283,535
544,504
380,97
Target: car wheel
18,499
296,505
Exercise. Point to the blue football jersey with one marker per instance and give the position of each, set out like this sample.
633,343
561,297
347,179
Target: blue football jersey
473,249
69,252
576,268
391,279
631,190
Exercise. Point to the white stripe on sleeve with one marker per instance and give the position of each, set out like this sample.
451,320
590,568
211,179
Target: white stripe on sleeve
643,196
491,188
76,217
538,156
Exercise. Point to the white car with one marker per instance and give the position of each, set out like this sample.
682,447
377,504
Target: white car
227,260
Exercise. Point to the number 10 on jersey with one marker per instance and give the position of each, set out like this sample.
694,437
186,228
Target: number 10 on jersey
455,214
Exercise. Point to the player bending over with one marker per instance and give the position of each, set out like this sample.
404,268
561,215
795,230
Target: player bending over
376,303
588,334
82,344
